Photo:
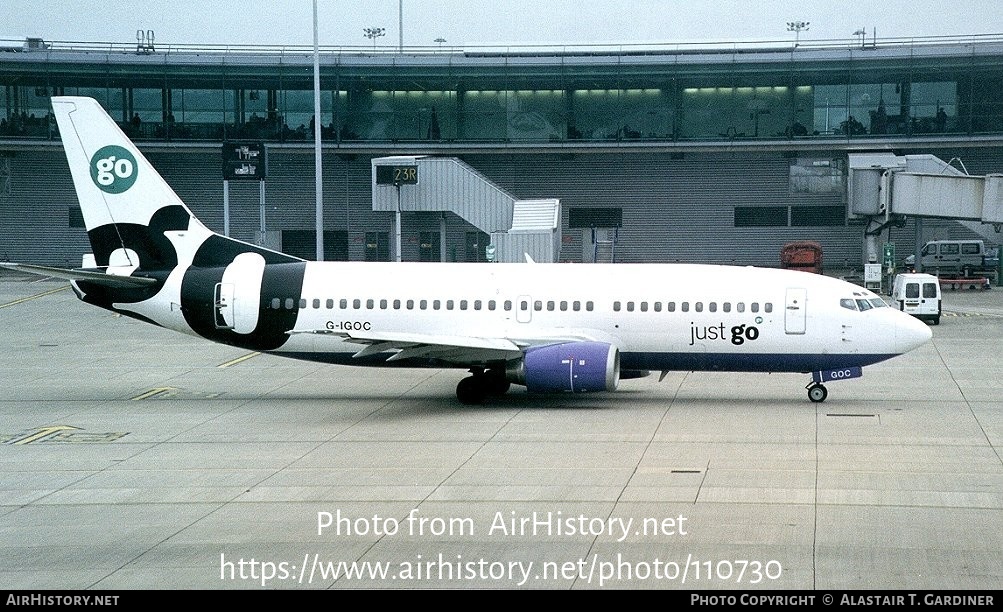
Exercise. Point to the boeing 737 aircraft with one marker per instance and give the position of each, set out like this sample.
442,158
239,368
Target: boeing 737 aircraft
550,327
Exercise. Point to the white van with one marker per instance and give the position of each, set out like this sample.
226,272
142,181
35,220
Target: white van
957,258
918,295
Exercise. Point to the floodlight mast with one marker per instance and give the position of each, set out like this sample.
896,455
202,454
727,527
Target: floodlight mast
374,33
797,27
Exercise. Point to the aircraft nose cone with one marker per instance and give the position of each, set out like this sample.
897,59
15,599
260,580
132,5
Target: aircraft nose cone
911,333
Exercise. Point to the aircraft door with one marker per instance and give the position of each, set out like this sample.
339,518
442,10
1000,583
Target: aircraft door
223,305
794,311
524,309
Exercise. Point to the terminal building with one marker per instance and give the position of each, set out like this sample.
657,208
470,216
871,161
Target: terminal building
656,154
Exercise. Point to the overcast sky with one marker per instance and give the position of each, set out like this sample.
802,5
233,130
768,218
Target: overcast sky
481,22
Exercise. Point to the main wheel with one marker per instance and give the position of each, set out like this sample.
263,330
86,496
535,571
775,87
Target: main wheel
471,390
817,393
494,382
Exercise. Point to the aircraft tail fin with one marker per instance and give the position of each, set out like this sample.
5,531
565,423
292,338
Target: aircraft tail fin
134,219
125,203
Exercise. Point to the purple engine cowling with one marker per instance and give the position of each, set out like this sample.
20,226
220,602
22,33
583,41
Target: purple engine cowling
578,367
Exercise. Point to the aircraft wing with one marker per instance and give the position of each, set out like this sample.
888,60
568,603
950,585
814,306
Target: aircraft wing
94,276
457,349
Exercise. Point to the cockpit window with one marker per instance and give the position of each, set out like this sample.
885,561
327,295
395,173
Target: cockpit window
864,305
848,304
878,303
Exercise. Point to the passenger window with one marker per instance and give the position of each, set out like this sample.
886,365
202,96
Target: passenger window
410,304
343,303
658,307
768,307
712,307
644,307
463,304
524,305
564,305
726,307
316,303
698,307
436,304
949,249
397,304
550,305
754,307
740,307
449,304
289,303
576,306
630,306
685,307
671,307
276,303
616,306
477,305
589,305
302,302
356,304
383,304
538,305
508,305
370,303
491,304
330,304
423,304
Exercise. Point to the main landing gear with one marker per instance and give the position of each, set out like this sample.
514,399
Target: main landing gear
475,389
817,392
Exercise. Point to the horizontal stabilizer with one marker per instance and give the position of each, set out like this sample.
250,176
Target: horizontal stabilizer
93,276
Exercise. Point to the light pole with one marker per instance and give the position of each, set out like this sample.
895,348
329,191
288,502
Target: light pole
861,33
797,27
374,33
318,167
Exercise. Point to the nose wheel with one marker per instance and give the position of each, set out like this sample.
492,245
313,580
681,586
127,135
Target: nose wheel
817,392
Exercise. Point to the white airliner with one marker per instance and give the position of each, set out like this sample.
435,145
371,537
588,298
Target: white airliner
550,327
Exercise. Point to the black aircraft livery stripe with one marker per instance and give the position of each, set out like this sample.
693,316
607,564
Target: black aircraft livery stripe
155,251
157,256
221,251
283,280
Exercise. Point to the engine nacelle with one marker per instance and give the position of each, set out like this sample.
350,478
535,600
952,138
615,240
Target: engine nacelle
578,367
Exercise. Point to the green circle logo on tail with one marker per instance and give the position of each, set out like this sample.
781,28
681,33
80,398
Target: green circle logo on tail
113,169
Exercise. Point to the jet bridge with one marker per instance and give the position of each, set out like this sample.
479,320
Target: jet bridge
885,188
445,184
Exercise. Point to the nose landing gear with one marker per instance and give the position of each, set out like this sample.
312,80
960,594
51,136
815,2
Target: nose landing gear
817,391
